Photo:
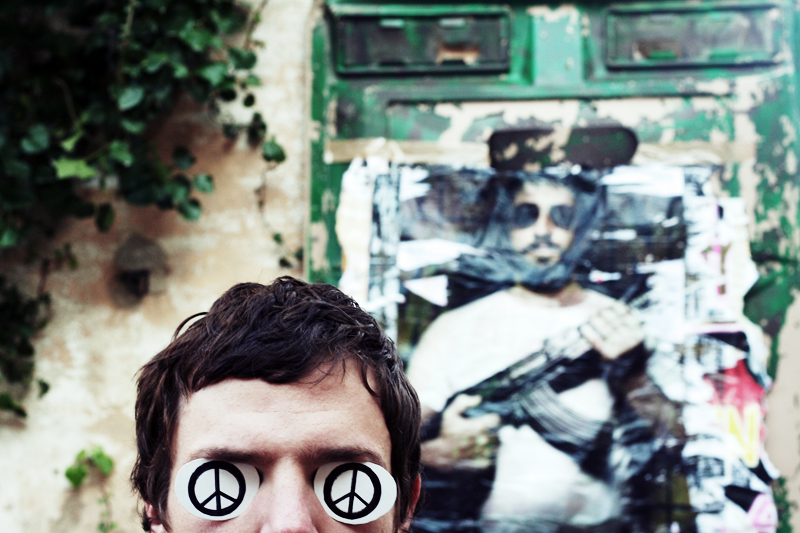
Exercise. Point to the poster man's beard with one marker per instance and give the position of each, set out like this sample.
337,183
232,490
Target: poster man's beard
544,243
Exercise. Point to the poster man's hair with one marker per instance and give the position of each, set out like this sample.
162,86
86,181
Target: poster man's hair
278,333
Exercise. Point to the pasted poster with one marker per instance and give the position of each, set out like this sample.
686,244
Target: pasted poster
576,339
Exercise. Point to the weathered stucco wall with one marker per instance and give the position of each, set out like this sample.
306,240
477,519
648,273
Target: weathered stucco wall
92,349
783,420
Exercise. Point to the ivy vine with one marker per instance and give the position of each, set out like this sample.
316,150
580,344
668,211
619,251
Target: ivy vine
81,84
98,462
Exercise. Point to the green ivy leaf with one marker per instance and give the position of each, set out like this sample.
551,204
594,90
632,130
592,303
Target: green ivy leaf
180,70
43,387
103,462
251,81
178,189
215,73
106,527
37,140
242,59
228,22
120,151
272,151
76,474
249,100
190,209
130,97
104,218
183,158
8,403
69,143
9,236
133,126
278,238
154,61
198,39
204,183
73,168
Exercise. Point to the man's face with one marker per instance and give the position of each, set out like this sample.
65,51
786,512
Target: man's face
286,432
542,223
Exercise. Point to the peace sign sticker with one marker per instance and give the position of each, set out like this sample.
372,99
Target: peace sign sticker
216,490
355,493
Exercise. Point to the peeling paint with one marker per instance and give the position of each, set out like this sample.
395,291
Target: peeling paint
432,152
791,162
354,229
791,197
789,131
314,130
549,14
717,136
684,153
331,125
719,87
328,202
512,113
318,236
745,129
667,136
632,111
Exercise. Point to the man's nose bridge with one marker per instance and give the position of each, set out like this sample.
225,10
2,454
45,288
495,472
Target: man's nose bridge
287,502
543,224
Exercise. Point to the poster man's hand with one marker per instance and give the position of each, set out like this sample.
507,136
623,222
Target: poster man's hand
463,442
613,331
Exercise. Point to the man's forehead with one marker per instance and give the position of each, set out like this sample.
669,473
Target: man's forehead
545,192
331,374
241,413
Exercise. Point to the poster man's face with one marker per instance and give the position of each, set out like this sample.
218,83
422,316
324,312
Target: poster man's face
286,432
542,223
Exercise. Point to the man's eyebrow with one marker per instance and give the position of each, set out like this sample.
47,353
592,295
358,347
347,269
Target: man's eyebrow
307,455
346,454
230,455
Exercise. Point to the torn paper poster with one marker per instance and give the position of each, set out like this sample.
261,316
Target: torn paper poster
578,336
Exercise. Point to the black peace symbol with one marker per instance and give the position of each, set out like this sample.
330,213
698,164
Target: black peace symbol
350,497
218,495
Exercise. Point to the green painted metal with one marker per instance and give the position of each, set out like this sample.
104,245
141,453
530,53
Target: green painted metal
557,51
734,97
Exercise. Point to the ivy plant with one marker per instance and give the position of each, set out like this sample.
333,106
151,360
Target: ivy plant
22,317
82,82
102,464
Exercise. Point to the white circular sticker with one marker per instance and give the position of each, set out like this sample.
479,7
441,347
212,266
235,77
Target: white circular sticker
355,493
216,490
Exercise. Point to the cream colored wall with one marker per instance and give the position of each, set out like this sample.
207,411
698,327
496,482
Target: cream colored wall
92,349
783,420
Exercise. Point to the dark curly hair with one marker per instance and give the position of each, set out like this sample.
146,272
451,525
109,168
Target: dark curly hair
278,333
